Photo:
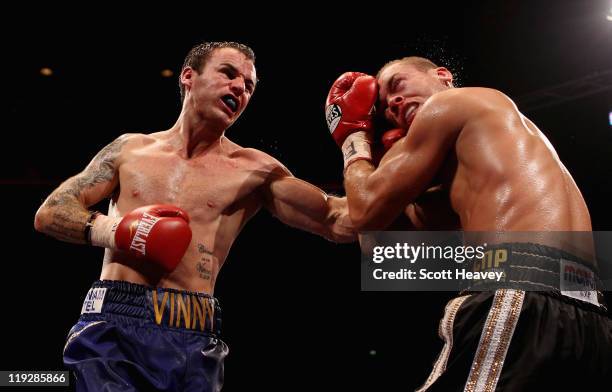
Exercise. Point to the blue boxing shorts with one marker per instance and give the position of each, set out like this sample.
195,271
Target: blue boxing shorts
131,337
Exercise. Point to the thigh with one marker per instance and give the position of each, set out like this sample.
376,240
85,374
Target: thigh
205,362
104,355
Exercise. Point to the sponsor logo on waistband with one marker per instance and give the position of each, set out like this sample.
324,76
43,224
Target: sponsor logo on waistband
490,267
183,310
492,259
94,300
145,225
578,282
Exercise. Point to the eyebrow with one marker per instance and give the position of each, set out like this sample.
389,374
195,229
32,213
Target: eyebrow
383,103
234,69
391,81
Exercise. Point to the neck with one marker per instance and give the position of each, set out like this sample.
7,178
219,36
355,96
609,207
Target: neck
195,134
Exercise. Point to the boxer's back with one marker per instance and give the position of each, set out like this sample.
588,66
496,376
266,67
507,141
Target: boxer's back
508,175
508,178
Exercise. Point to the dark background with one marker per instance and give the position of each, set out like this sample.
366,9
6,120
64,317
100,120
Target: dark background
294,315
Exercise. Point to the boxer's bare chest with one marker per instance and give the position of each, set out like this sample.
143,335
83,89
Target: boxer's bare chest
205,186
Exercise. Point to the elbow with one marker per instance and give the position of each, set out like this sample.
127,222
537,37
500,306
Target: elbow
357,212
343,237
370,215
366,209
357,219
362,220
42,219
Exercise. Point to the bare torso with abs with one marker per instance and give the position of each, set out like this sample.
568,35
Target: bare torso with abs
218,190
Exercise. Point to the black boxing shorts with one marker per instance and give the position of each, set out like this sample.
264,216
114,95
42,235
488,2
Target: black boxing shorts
518,340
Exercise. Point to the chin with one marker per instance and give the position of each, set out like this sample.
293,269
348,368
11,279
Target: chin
234,119
224,122
220,118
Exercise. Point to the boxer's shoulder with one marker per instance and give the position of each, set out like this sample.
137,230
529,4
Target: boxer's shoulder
468,96
480,99
149,143
135,137
260,161
129,141
460,107
114,152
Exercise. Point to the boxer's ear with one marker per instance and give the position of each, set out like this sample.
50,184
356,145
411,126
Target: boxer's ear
445,76
187,75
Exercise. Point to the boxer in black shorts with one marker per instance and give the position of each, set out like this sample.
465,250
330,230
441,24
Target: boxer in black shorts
466,158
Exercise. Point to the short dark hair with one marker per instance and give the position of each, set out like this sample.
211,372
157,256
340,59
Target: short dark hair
420,63
197,56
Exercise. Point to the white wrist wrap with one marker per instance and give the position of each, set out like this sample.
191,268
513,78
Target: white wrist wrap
103,231
355,147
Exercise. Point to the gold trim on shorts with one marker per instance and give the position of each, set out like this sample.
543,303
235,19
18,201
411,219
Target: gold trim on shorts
445,331
495,340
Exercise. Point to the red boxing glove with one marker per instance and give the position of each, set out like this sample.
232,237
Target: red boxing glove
159,233
349,110
390,137
349,105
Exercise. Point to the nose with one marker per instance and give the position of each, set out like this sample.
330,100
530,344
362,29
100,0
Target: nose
393,106
237,86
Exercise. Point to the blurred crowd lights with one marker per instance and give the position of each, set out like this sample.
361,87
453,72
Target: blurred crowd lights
166,73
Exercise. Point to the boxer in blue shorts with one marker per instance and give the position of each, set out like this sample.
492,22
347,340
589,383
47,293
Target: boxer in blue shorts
179,198
162,339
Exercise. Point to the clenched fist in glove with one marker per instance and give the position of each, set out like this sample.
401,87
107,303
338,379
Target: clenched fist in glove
349,110
160,233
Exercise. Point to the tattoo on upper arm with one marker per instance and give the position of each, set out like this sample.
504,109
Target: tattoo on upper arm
101,169
69,215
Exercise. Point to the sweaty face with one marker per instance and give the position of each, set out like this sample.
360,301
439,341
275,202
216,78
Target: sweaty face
223,88
403,90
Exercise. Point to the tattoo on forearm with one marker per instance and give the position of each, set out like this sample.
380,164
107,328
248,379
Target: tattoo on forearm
61,233
352,151
69,215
